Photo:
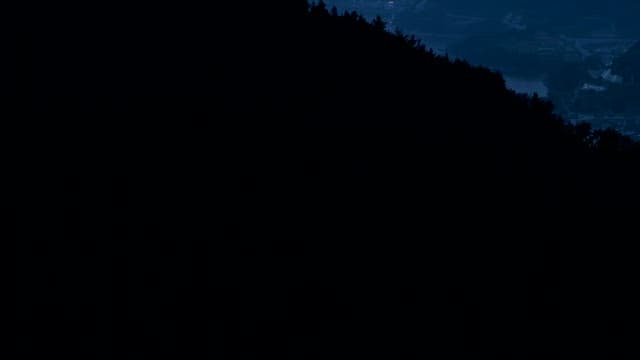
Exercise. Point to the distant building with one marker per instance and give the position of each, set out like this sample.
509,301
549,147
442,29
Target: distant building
592,87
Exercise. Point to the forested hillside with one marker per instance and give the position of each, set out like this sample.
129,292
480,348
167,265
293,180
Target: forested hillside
302,184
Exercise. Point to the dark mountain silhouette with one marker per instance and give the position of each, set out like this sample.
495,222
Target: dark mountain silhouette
300,184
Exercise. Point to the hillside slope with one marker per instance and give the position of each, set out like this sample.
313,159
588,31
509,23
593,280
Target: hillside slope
304,185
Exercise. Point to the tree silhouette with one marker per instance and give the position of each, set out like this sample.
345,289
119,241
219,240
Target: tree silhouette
302,184
378,24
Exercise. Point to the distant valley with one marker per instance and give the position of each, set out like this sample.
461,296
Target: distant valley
569,58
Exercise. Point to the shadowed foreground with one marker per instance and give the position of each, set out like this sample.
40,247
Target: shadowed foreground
304,185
